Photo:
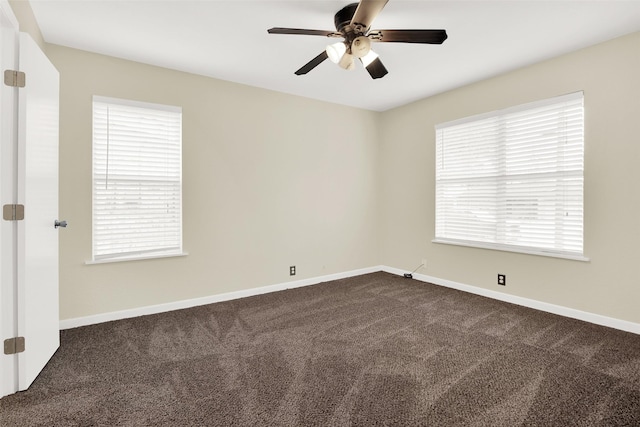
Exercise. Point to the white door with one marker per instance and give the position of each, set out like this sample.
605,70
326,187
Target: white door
38,319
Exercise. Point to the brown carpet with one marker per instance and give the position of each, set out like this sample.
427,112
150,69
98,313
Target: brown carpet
370,350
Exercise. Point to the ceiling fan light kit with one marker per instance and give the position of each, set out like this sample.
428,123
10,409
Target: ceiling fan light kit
353,24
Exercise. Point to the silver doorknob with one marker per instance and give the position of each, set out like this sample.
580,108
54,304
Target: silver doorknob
62,224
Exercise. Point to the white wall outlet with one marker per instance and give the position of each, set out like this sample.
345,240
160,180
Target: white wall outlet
424,263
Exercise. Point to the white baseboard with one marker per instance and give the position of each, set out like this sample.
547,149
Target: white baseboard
597,319
178,305
526,302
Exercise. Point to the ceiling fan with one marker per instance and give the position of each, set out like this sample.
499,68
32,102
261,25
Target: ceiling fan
353,24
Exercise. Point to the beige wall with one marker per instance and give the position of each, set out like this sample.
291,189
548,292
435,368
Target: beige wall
269,180
27,21
610,283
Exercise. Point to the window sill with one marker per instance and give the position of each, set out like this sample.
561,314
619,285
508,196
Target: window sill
135,258
515,249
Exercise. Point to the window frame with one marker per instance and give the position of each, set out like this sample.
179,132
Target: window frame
498,245
169,251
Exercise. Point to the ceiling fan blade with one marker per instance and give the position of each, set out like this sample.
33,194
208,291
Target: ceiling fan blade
409,36
367,11
376,69
313,63
279,30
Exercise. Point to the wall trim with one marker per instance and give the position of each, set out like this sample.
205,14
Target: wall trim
597,319
178,305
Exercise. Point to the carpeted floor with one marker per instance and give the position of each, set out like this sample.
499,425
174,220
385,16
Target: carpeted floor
370,350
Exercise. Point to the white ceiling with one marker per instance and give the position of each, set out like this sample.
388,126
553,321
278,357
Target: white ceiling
228,40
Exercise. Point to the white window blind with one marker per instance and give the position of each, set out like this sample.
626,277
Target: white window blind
137,179
513,179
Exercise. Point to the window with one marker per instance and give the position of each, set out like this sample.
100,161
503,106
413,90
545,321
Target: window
513,179
137,180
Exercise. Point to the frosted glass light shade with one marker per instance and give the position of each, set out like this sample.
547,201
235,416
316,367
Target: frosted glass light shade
360,46
347,62
336,51
369,58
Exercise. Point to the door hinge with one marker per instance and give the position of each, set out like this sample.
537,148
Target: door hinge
14,78
13,212
14,345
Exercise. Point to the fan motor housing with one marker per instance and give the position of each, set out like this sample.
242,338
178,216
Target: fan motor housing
344,16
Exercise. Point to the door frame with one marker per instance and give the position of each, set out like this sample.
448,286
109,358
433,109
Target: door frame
9,50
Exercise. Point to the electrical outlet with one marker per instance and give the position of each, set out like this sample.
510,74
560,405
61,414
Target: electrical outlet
292,270
424,263
502,279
